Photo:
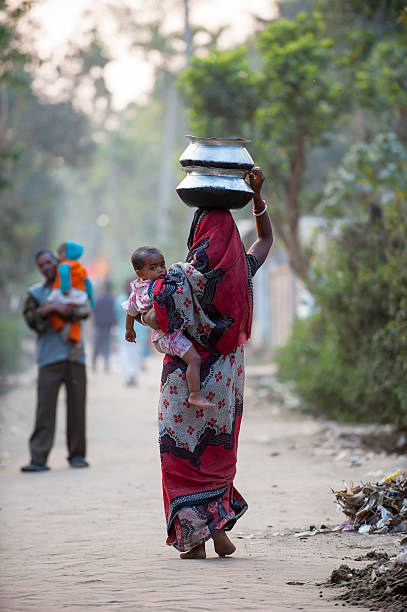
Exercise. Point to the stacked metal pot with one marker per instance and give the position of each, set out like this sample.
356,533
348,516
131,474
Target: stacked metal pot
215,173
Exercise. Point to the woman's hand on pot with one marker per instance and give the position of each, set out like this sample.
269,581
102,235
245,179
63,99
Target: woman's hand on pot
256,179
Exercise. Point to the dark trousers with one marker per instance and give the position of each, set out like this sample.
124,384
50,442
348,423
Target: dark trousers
50,379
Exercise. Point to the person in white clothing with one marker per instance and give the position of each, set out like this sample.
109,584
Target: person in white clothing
131,355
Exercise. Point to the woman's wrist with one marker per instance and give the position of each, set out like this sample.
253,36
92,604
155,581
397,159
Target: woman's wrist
259,205
262,212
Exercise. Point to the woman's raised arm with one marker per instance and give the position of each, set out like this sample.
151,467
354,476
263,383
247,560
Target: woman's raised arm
262,246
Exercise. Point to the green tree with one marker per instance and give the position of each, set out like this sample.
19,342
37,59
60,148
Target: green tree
301,98
221,92
370,175
371,43
288,107
348,359
36,136
169,52
383,77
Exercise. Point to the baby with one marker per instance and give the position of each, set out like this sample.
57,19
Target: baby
71,286
149,265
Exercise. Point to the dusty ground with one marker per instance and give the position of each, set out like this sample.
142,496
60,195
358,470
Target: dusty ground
88,539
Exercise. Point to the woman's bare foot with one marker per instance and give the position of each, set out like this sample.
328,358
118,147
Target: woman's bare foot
197,399
198,552
223,546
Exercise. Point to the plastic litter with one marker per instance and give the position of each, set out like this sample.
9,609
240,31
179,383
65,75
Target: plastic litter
315,531
401,557
392,476
379,507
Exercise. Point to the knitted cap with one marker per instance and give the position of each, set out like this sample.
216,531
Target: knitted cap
73,250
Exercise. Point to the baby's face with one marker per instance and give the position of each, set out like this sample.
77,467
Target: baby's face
153,268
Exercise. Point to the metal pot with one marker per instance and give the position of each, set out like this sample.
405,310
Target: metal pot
214,188
217,153
216,169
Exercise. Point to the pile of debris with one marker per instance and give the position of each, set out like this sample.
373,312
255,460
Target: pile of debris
375,508
380,586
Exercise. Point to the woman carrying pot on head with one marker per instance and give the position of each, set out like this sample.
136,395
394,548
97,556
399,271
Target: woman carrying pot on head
210,299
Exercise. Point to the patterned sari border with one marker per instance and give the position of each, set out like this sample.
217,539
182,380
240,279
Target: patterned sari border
194,499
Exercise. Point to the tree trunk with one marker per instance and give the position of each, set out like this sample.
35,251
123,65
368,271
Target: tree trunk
172,108
165,185
289,230
188,36
401,125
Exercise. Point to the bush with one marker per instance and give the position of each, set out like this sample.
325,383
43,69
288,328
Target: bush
349,360
311,360
10,339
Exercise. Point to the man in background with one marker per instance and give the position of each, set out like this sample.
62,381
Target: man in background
59,362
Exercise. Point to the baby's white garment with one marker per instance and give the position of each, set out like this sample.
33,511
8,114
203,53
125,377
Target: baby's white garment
74,296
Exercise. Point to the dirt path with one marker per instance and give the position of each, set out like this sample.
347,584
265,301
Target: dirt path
88,539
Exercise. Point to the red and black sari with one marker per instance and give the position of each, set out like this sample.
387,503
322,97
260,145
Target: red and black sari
210,299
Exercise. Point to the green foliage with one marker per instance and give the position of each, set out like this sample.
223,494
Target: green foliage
287,107
221,92
371,43
300,91
369,173
294,95
10,337
375,13
348,360
301,96
388,64
13,62
310,359
122,183
35,137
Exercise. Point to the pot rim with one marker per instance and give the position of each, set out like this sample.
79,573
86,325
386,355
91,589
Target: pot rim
218,142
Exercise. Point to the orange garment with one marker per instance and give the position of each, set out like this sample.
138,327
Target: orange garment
78,277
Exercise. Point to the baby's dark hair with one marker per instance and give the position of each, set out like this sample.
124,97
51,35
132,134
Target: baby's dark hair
137,258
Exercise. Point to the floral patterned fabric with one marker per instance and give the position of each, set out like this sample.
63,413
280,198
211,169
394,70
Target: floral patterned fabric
198,446
173,343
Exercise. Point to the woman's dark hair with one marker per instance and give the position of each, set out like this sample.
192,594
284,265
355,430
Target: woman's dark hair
137,258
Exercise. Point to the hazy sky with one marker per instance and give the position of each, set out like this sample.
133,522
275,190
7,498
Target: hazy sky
129,75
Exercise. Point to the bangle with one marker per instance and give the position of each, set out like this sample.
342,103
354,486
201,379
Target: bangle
262,212
142,320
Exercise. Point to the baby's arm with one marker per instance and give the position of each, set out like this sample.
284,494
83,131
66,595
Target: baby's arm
65,276
130,335
89,291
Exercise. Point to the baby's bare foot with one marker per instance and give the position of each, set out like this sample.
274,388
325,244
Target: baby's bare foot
198,552
223,546
197,399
